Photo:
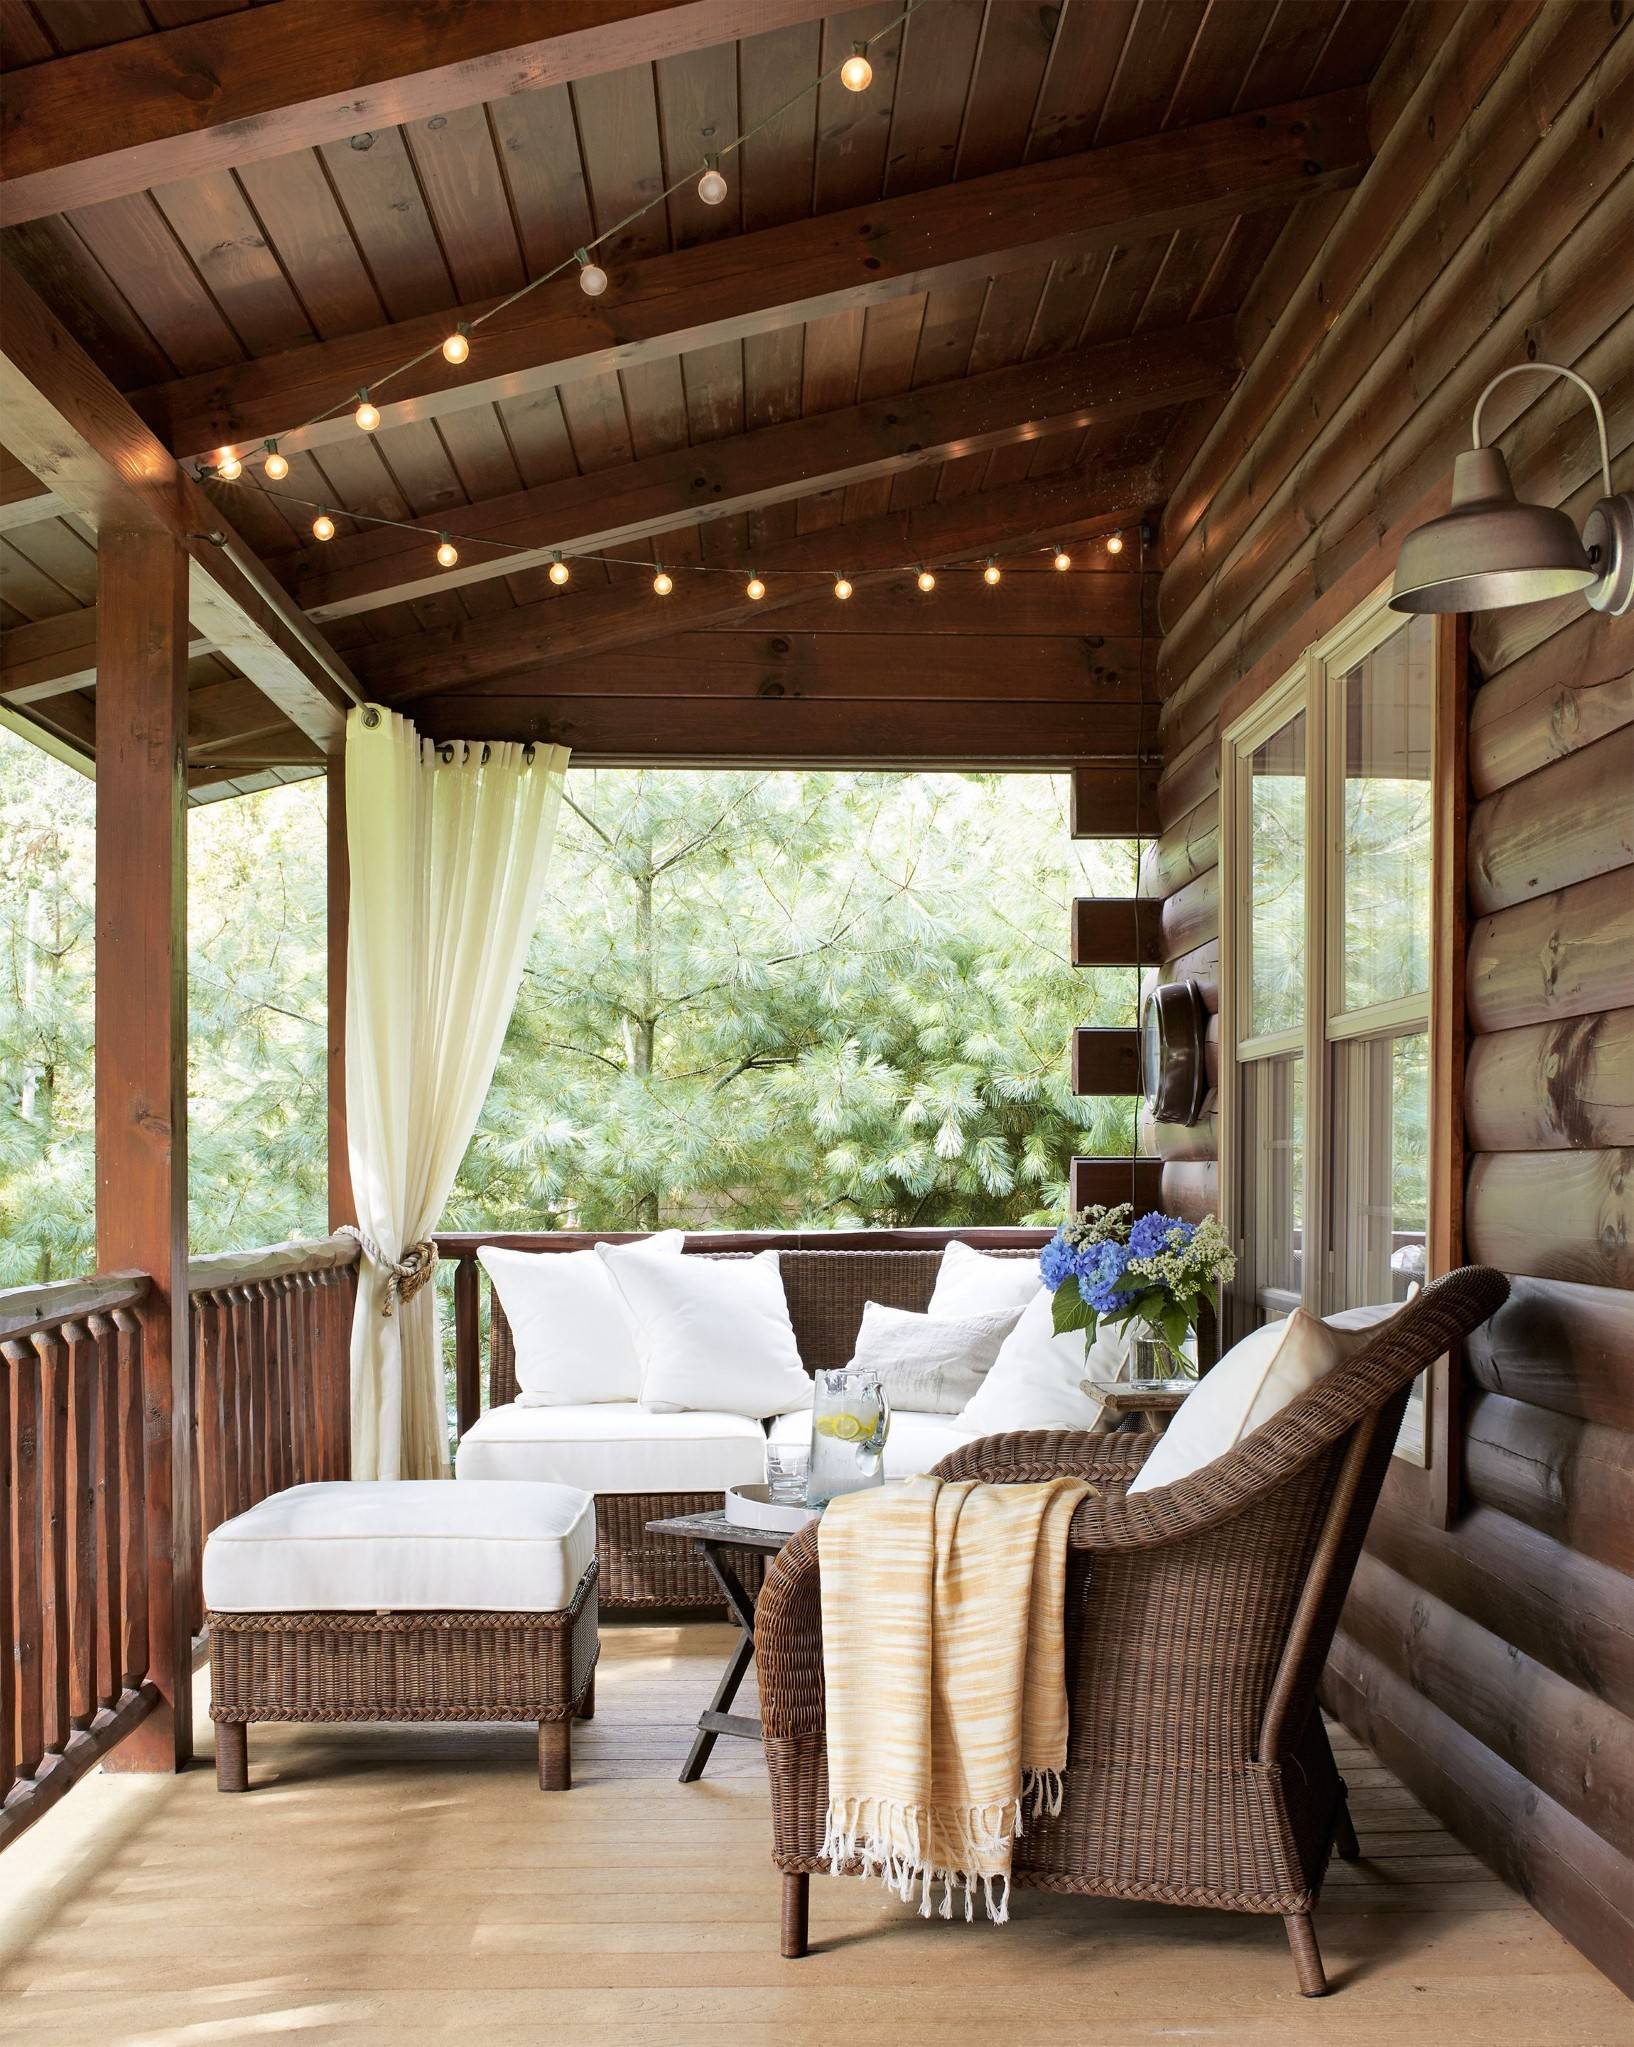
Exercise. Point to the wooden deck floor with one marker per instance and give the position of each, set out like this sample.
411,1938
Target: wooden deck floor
412,1885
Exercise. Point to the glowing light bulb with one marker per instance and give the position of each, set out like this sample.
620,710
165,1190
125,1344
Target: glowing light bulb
592,278
856,73
323,527
447,553
276,467
559,571
990,574
228,467
366,415
662,584
754,589
457,347
1063,560
711,186
926,580
842,589
1114,543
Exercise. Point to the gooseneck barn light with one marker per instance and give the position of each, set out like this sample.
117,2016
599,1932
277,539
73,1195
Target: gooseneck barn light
1491,550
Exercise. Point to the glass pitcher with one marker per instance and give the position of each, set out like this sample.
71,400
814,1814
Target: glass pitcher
850,1419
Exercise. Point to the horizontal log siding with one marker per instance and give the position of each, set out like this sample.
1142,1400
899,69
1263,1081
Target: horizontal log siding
1491,1663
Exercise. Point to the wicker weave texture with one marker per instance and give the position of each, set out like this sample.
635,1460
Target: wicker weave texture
1199,1616
404,1666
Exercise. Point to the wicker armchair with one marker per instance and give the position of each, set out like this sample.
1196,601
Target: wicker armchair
1199,1619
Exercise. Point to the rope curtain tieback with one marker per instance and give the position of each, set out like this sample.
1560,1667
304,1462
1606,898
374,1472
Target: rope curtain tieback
404,1276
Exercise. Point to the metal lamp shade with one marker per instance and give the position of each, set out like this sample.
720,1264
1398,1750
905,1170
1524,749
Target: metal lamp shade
1489,550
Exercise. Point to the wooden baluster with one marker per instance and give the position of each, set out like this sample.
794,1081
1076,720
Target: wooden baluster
54,1614
208,1343
133,1529
256,1343
312,1373
8,1637
467,1344
198,1377
272,1299
299,1374
79,1499
235,1404
23,1370
105,1461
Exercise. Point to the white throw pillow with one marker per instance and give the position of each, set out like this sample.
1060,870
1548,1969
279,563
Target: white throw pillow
930,1365
1036,1381
574,1339
1251,1384
710,1332
974,1283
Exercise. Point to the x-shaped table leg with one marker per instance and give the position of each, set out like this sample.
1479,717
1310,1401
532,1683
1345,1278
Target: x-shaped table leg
715,1720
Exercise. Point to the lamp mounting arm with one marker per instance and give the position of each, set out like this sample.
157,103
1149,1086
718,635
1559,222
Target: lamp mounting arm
1552,369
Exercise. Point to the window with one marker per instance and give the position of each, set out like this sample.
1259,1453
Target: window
1335,837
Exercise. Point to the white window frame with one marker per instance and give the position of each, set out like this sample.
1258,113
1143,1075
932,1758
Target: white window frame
1313,686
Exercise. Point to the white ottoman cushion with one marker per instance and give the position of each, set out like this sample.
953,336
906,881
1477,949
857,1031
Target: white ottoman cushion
615,1447
414,1545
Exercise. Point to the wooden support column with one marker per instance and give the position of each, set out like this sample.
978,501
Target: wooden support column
141,1067
342,1206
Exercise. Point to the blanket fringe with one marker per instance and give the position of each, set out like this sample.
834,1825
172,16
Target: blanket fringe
890,1840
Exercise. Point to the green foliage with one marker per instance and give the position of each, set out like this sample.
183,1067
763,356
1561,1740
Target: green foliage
753,1000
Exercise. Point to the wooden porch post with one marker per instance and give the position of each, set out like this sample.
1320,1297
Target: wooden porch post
141,1066
342,1208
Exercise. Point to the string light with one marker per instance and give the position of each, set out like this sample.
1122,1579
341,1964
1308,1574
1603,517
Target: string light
1063,560
662,584
856,73
1114,543
754,589
842,589
275,465
592,278
559,570
712,186
228,466
990,574
366,415
458,345
323,527
926,580
447,553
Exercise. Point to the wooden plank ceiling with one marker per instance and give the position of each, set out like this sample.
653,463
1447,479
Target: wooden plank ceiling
1050,374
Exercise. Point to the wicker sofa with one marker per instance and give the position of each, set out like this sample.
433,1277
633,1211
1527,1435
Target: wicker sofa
643,1467
1200,1615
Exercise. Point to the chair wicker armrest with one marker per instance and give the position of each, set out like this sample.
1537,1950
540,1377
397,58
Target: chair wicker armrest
789,1641
1026,1456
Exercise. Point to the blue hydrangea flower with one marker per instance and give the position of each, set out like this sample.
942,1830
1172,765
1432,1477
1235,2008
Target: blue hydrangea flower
1057,1262
1099,1271
1156,1233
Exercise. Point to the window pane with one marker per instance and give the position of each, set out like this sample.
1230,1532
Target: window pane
1387,702
1274,1180
1276,838
1381,1162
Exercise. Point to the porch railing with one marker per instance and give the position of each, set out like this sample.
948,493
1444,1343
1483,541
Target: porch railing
270,1339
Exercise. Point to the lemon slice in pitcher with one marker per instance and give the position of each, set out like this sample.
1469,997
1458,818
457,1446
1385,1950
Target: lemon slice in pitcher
845,1428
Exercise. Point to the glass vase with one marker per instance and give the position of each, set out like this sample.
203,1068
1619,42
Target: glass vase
1153,1360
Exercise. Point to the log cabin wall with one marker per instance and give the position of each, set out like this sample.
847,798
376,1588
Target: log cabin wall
1491,1664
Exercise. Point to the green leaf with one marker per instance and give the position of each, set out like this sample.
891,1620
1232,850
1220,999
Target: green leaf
1069,1310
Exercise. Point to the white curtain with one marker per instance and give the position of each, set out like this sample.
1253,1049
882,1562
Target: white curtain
449,848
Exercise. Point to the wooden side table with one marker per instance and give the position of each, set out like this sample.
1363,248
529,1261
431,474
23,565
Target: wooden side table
713,1536
1140,1407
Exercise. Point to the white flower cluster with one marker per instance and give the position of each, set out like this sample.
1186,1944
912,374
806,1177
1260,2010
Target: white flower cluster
1098,1226
1188,1263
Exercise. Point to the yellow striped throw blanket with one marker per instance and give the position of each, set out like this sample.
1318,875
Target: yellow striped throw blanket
945,1679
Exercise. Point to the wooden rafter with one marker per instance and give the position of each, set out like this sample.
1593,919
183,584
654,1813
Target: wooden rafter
241,87
582,623
719,291
630,503
72,428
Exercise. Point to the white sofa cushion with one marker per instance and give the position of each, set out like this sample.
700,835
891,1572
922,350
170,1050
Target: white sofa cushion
915,1442
929,1364
712,1333
615,1447
970,1282
1036,1381
573,1335
363,1545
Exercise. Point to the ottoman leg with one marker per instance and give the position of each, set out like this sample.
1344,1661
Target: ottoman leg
232,1756
555,1755
586,1708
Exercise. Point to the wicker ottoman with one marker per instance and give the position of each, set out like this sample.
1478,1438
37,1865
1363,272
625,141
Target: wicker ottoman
419,1600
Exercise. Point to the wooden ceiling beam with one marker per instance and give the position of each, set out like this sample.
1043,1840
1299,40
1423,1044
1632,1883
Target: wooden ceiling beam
242,87
24,500
658,306
578,624
634,503
72,428
52,656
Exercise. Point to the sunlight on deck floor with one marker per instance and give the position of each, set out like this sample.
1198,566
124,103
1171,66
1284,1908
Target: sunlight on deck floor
410,1884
